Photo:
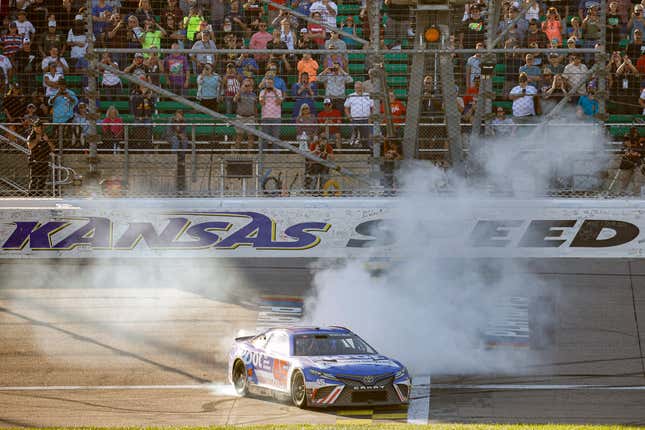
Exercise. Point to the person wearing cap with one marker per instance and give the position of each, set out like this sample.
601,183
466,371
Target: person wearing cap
247,66
25,28
63,103
329,119
532,71
177,71
304,91
575,74
246,111
335,80
209,87
28,119
473,29
11,41
278,82
26,63
50,39
81,124
636,47
584,6
271,99
77,42
523,96
138,67
41,148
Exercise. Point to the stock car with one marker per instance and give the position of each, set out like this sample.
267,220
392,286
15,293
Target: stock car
317,367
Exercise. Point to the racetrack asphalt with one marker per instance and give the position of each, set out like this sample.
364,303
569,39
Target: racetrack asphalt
142,355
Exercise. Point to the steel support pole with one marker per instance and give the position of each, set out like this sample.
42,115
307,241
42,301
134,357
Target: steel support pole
601,58
453,117
92,71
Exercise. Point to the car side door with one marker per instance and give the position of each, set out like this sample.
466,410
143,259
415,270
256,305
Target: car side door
278,348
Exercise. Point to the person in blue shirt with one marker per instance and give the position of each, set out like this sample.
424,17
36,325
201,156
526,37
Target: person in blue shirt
588,106
278,82
304,92
63,104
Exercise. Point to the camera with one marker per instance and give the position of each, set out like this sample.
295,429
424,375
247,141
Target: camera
523,90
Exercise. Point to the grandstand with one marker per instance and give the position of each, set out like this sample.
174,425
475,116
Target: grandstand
206,97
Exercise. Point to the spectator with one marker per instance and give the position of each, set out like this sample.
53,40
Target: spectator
614,27
144,12
138,68
41,148
398,23
231,87
473,65
278,82
532,71
588,107
329,119
205,27
204,43
254,13
315,32
209,87
153,34
11,41
176,34
636,48
116,35
288,34
335,58
54,57
230,42
535,35
25,28
519,29
552,26
335,80
349,27
271,101
591,31
575,31
259,40
628,88
101,14
473,30
358,108
111,83
51,79
304,91
29,119
305,42
612,67
77,41
155,68
236,18
246,112
14,107
26,66
176,132
576,74
316,175
279,59
142,105
246,66
305,122
303,7
397,110
177,72
556,93
637,21
50,39
533,10
391,154
585,5
112,127
81,124
328,11
633,156
335,41
501,125
174,11
546,82
63,103
522,96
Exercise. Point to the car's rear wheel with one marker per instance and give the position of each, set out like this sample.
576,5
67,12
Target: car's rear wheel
240,378
298,389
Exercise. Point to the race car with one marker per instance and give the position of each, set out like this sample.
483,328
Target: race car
317,367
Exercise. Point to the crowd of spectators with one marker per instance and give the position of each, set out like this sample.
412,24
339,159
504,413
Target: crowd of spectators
44,45
533,83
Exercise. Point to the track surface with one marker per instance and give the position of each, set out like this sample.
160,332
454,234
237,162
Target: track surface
176,339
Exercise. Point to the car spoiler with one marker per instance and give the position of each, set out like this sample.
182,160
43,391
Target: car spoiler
243,338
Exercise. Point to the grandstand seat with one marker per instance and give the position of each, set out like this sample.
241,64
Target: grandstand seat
396,68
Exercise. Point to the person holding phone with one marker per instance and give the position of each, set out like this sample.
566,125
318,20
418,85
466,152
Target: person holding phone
523,99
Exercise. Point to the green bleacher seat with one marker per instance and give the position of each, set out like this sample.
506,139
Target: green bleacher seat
358,68
170,107
396,68
500,69
121,106
355,58
396,57
401,93
397,81
506,105
349,9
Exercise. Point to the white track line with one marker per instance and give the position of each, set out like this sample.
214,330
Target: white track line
419,408
419,384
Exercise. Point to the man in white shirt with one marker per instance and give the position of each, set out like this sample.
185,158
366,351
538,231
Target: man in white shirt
522,96
202,59
358,108
576,74
5,64
328,12
25,28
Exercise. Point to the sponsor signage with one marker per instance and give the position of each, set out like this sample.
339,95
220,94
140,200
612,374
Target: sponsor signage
512,229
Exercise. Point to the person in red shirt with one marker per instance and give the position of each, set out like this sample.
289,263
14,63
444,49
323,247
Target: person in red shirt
397,110
330,118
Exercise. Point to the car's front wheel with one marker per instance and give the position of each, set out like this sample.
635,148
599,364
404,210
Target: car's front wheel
240,378
298,389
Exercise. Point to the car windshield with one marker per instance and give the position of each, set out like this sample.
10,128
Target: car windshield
330,344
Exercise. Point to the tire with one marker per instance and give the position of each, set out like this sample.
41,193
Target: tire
240,378
298,390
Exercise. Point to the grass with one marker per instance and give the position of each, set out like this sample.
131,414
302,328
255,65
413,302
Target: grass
441,426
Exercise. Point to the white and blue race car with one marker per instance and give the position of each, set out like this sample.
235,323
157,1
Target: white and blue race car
317,367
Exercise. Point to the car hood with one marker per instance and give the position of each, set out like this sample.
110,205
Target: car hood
354,364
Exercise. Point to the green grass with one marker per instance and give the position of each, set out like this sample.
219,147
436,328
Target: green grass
377,427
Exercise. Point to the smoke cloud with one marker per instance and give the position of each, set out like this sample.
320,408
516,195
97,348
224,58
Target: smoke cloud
429,311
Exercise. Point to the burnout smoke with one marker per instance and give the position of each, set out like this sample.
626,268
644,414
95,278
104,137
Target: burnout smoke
431,311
